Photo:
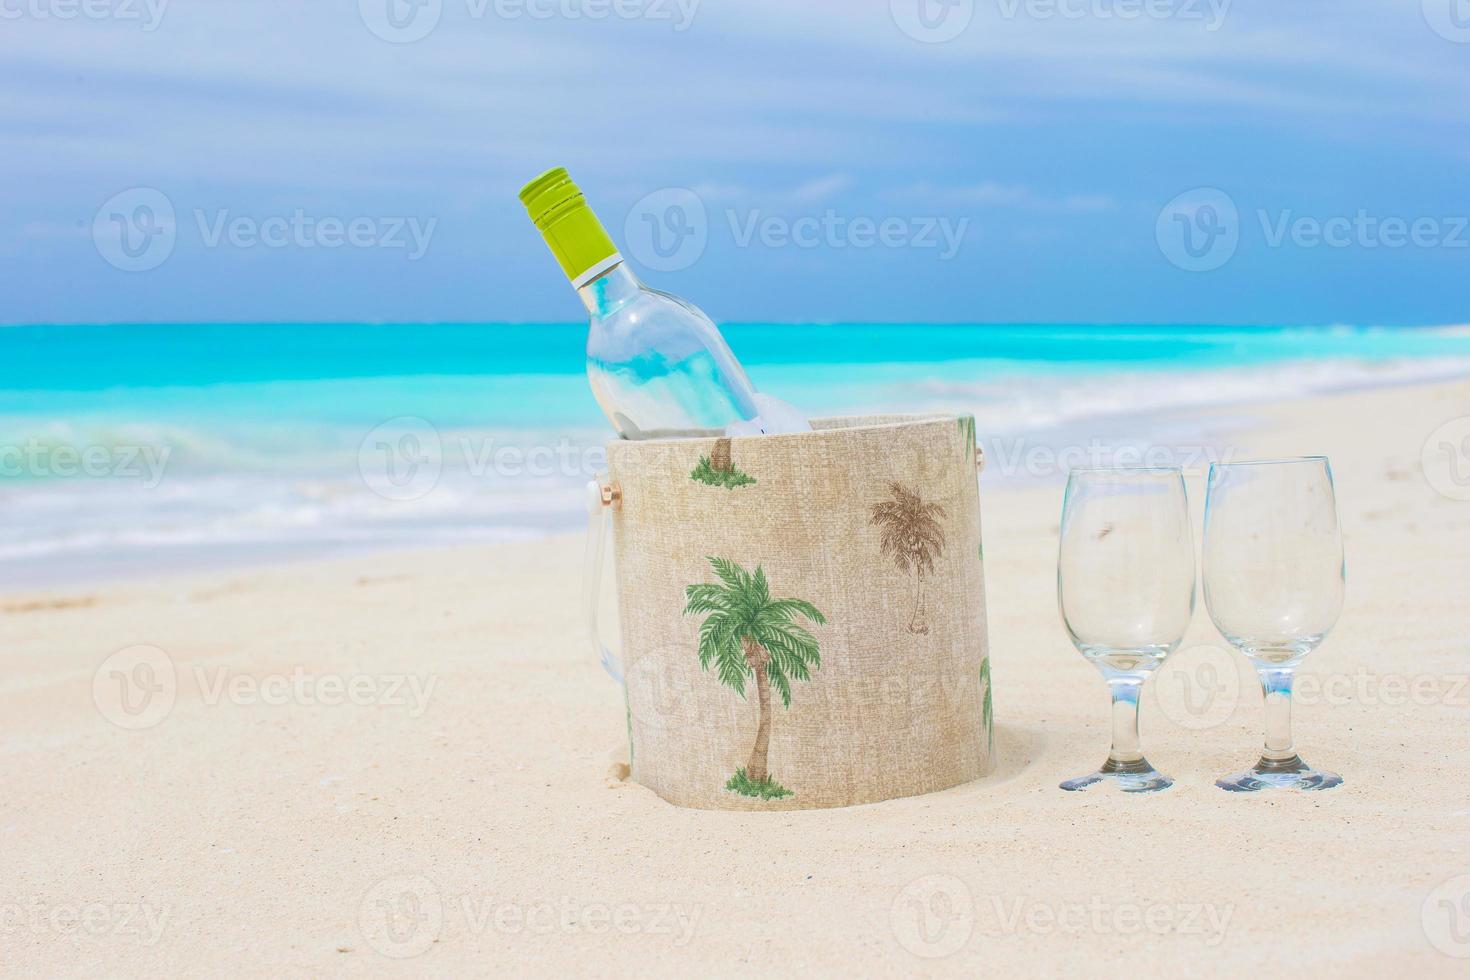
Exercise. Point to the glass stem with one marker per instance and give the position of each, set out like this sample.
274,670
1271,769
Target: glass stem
1124,754
609,291
1276,686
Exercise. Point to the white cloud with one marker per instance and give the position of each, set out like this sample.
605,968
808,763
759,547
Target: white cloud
817,190
993,194
821,189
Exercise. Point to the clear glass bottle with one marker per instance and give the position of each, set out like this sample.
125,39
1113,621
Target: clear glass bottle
657,365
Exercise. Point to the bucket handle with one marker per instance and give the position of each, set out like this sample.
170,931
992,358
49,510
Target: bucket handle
602,498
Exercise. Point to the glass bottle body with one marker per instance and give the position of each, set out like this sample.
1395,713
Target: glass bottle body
657,365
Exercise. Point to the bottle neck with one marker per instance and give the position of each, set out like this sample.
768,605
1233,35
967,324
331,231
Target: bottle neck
605,294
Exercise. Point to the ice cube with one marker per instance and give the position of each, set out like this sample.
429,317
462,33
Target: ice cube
777,416
745,427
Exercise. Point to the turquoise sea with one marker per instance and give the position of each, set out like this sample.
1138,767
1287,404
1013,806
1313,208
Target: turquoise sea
140,448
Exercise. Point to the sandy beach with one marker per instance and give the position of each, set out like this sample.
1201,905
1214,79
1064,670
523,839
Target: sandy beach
409,764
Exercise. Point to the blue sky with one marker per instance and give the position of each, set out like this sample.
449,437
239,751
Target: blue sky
822,160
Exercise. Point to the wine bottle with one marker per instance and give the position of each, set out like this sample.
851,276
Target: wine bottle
657,365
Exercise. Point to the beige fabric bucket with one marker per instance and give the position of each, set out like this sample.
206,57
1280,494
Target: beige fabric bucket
803,616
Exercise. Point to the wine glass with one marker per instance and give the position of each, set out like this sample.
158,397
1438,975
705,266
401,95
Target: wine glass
1125,587
1274,581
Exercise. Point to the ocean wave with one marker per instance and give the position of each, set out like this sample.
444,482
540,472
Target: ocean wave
90,518
236,489
1019,405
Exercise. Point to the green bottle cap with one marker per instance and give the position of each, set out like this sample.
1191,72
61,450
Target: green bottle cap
572,232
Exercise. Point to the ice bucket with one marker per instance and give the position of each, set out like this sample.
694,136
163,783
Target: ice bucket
802,616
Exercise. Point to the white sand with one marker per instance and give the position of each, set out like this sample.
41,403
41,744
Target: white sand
264,838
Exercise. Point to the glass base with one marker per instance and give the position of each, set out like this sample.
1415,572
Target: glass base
1290,773
1128,777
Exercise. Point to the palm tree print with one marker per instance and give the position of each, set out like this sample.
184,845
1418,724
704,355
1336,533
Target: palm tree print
718,470
747,634
986,714
912,537
719,457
